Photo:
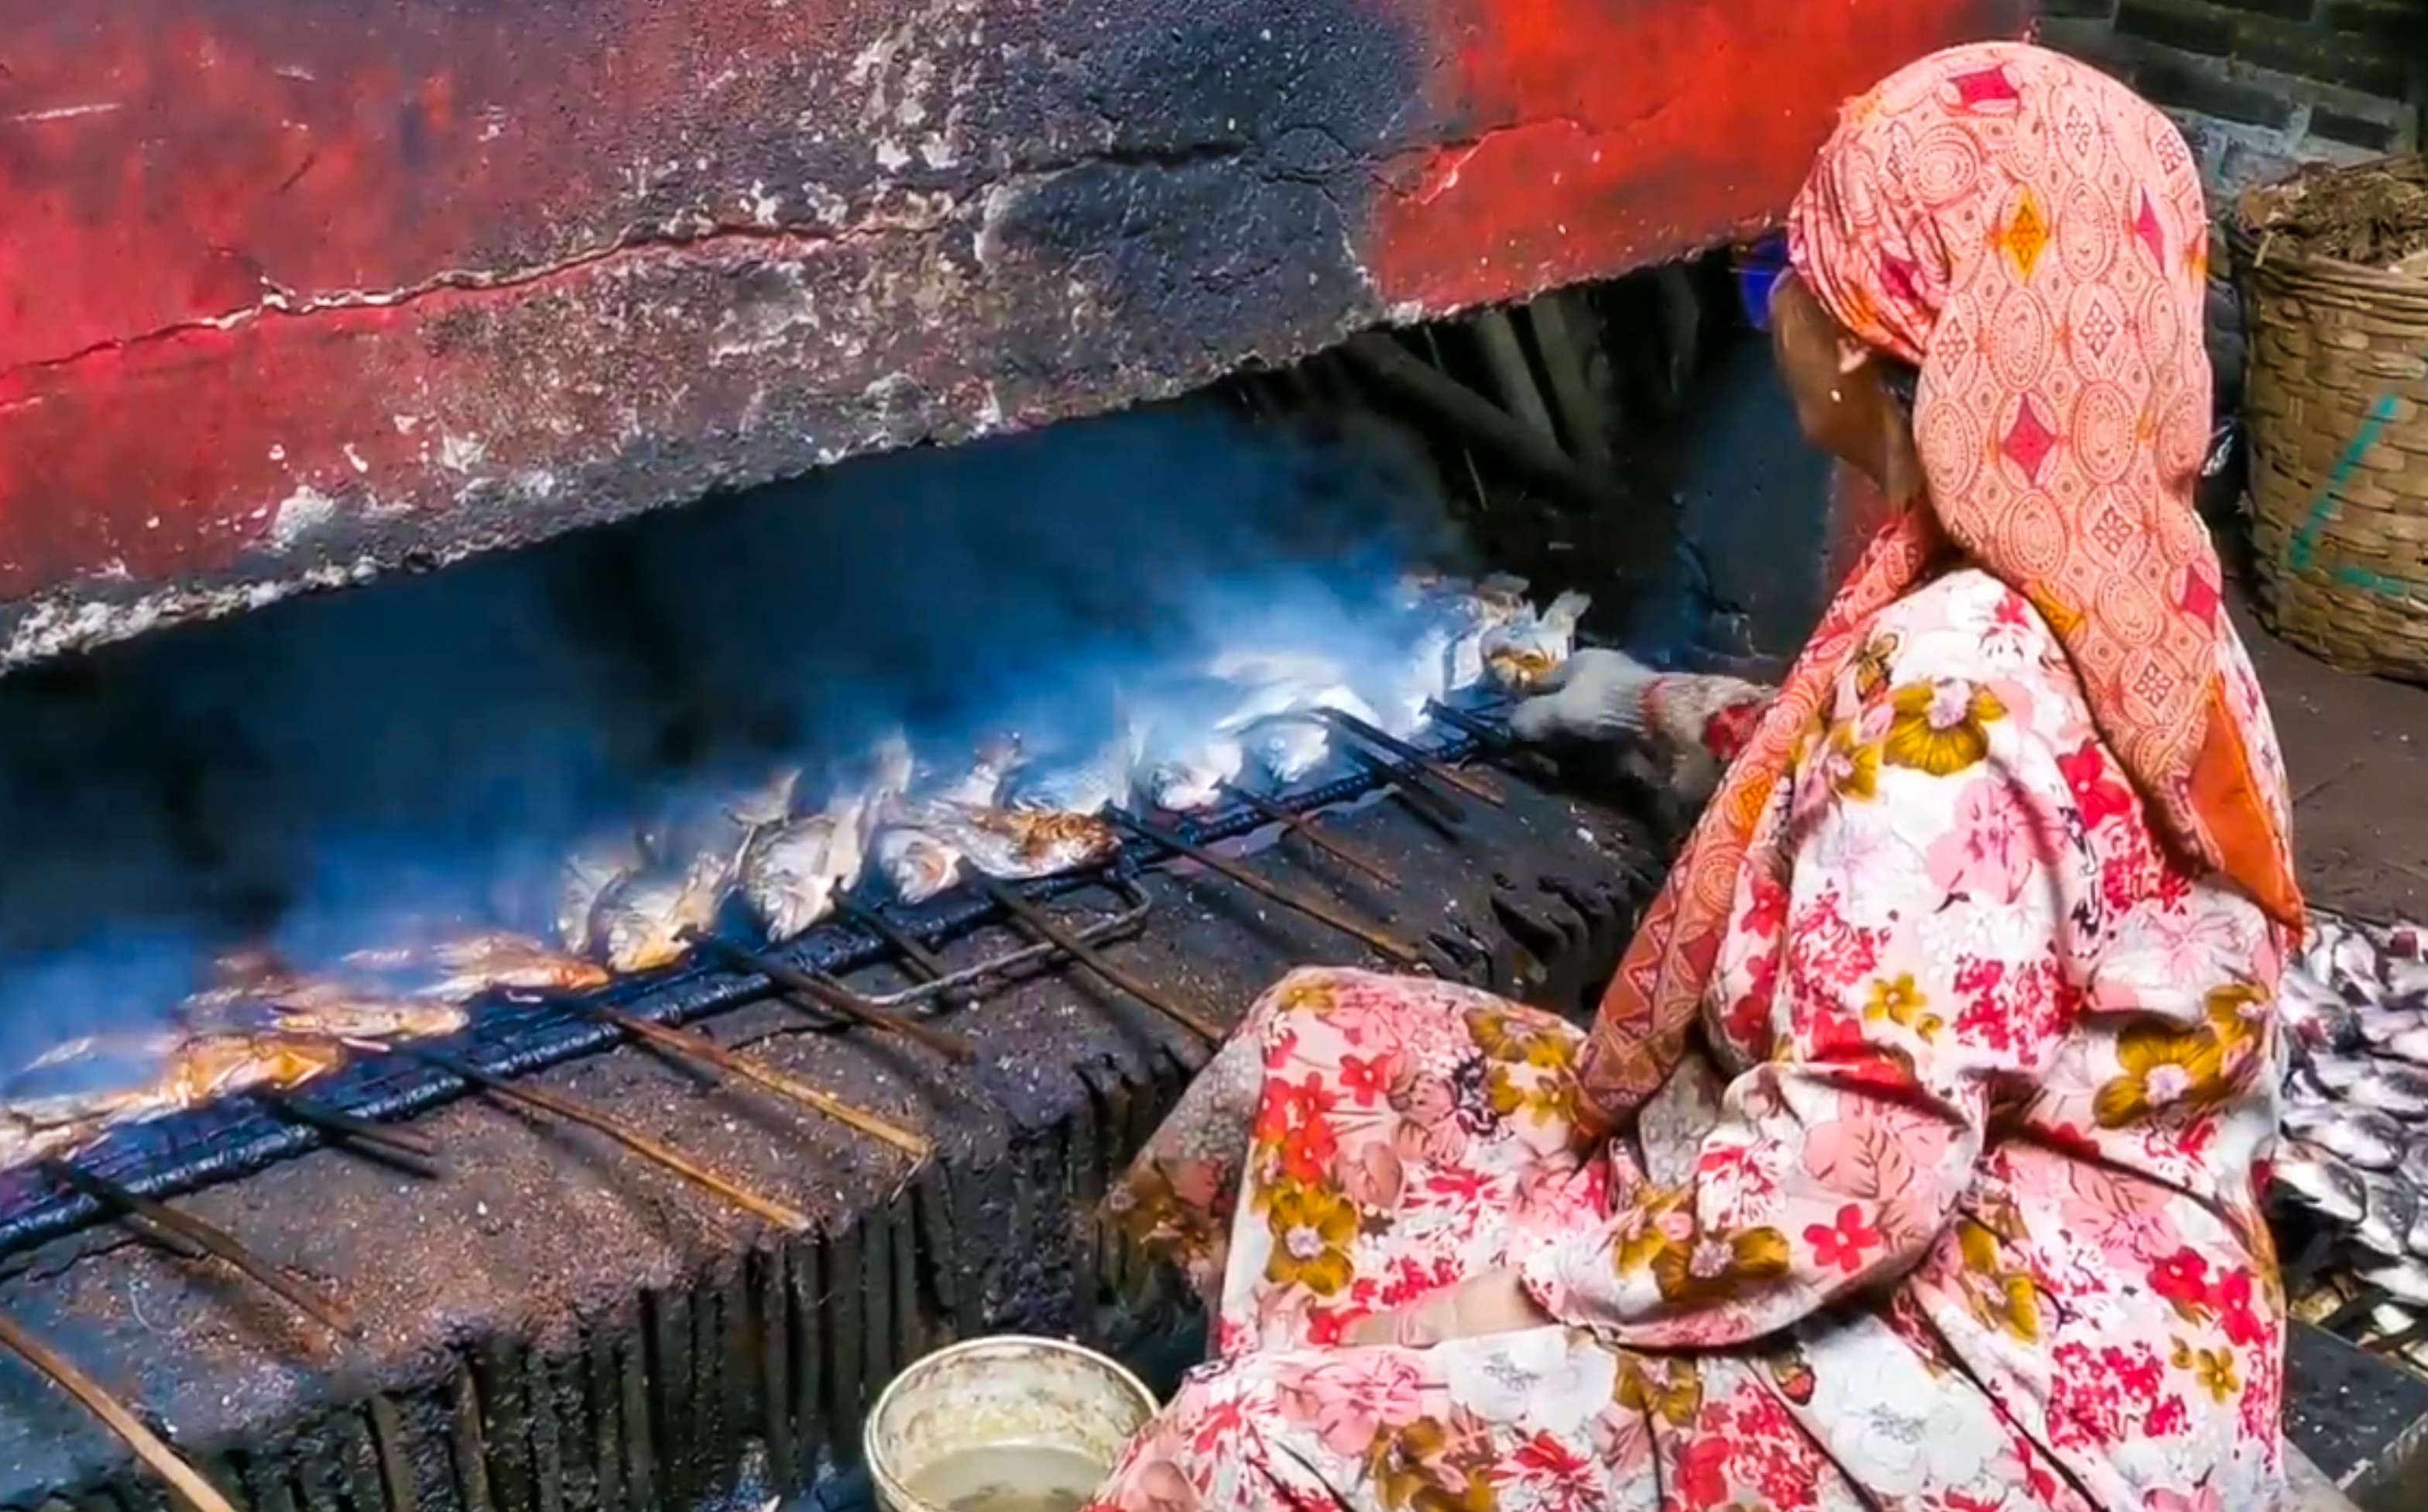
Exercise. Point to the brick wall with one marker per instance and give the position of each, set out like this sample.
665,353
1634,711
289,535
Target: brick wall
2259,85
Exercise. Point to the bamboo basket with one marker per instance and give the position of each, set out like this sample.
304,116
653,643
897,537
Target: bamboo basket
2335,404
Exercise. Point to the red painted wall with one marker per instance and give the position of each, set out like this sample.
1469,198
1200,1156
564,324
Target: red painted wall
291,290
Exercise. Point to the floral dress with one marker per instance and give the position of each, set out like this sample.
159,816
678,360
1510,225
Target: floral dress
1971,1223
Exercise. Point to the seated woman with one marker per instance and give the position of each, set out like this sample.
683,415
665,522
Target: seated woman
1985,922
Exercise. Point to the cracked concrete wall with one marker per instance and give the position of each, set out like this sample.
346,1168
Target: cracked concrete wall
297,291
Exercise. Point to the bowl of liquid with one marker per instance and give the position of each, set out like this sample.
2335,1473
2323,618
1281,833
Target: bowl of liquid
1003,1424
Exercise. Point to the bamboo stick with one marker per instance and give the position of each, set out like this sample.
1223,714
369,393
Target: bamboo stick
157,1456
1314,908
1043,923
192,1236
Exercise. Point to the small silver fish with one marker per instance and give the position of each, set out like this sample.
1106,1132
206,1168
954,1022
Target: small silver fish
2411,1045
2320,1182
1192,778
792,874
2416,1239
1088,785
2392,1207
2407,1279
2380,1025
916,863
2393,1088
638,922
2317,1020
2362,1136
596,865
491,960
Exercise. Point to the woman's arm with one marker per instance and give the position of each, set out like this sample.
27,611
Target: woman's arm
1690,725
1934,871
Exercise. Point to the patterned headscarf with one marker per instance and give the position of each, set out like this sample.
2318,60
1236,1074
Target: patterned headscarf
2031,236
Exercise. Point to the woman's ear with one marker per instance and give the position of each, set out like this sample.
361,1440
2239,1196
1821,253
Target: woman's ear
1852,355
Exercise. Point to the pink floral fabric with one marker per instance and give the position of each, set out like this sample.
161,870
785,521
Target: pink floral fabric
1967,1219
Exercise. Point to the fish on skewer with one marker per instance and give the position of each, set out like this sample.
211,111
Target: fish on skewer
594,867
1018,843
918,864
1520,654
640,921
500,960
792,874
2362,1137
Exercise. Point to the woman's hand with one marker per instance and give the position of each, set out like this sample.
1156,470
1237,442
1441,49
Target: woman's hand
1493,1303
1594,694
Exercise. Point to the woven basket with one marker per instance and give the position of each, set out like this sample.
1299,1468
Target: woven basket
2335,402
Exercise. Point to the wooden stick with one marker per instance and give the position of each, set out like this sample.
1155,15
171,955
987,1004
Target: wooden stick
924,962
1042,924
825,992
1299,825
1416,756
416,1153
1314,908
622,1133
193,1237
707,1051
157,1456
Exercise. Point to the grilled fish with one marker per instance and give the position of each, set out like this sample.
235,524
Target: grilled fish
1088,785
639,922
215,1066
496,960
2385,1085
916,863
1023,842
341,1010
1521,653
589,872
792,874
919,864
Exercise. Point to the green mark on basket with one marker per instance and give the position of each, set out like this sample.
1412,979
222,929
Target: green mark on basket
2304,544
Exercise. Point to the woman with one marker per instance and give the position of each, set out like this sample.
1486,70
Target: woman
1985,922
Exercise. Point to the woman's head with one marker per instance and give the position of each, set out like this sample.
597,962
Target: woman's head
2031,238
1847,400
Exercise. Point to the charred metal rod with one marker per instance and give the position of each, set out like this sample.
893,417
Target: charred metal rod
708,1052
1042,924
1299,825
1429,804
403,1148
1416,756
158,1457
534,1099
920,960
832,996
1314,908
1524,757
190,1236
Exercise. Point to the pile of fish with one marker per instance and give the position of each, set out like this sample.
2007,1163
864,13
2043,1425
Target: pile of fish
2353,1164
632,898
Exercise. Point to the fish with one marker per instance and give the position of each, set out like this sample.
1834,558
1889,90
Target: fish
1194,778
2362,1136
2411,1045
916,863
2392,1209
2385,1085
638,922
1272,723
2324,1022
793,873
1519,655
1088,785
498,959
2404,1279
2320,1182
2383,1025
215,1066
2415,1240
341,1010
595,866
1022,843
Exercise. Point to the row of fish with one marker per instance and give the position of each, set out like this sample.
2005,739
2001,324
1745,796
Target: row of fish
2354,1110
629,900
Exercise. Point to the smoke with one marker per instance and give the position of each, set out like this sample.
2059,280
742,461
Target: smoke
338,773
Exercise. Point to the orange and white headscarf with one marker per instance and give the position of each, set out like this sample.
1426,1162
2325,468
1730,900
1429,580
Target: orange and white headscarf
2030,235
